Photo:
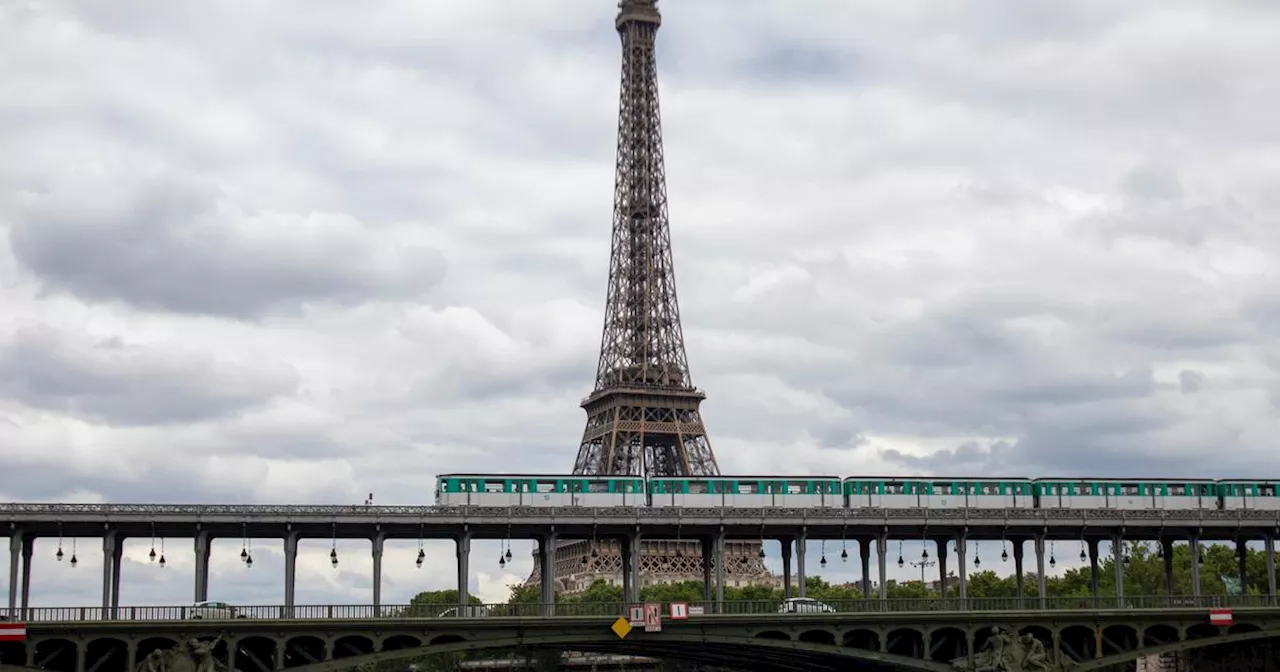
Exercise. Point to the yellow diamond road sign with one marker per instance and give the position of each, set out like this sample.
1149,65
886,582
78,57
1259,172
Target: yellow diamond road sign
621,628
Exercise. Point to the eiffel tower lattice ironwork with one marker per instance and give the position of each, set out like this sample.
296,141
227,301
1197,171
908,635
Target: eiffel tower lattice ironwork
643,415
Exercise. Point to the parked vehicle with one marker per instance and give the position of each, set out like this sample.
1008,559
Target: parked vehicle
804,605
214,611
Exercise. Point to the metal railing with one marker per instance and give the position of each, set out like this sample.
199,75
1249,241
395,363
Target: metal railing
614,609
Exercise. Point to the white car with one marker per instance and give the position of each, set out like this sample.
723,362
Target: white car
804,605
214,611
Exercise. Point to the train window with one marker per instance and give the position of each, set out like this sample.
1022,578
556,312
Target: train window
699,487
896,488
1267,490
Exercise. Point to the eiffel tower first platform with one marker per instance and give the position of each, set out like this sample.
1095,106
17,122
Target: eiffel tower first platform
643,415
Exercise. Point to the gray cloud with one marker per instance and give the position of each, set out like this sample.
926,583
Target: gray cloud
111,382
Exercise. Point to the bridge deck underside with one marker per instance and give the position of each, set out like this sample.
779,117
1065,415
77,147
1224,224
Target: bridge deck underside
889,641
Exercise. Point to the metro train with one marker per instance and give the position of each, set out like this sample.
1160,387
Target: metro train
893,492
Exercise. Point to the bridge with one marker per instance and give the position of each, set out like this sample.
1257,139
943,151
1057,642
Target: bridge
867,528
913,635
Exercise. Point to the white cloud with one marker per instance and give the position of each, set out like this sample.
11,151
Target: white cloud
260,253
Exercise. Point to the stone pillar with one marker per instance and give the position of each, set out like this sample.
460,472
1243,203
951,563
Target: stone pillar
108,558
463,542
882,549
801,542
786,567
1095,578
1195,565
961,555
15,555
201,589
1166,550
1042,586
1117,557
28,550
941,545
864,554
1019,550
290,570
377,543
1270,541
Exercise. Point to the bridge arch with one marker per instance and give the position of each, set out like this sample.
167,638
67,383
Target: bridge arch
780,654
1189,644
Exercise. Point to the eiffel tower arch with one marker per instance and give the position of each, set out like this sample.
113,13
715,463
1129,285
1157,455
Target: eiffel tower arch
643,416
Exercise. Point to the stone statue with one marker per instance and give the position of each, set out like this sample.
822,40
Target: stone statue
1005,653
193,655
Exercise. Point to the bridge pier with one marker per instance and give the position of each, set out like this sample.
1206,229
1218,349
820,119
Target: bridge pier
801,542
708,557
1166,549
28,550
941,546
15,551
1242,554
203,550
1117,558
109,545
882,550
1042,585
463,541
1195,565
1270,541
1019,551
963,571
719,544
864,554
785,543
1095,575
290,569
379,540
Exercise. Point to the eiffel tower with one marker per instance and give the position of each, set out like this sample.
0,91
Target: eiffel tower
643,416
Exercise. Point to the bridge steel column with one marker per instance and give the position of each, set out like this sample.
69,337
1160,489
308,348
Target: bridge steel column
201,579
378,541
1195,565
864,554
108,557
720,572
1019,551
961,547
28,550
1269,541
547,549
708,557
785,542
882,548
801,541
633,568
1242,554
941,545
1117,557
1041,585
1166,549
117,564
290,570
627,551
1095,579
15,554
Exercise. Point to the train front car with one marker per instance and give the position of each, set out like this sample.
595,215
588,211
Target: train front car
1248,494
793,492
542,490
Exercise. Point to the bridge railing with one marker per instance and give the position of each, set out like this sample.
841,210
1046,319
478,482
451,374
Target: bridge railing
614,609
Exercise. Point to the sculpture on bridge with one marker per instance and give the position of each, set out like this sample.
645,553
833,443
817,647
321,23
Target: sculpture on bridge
1005,653
194,655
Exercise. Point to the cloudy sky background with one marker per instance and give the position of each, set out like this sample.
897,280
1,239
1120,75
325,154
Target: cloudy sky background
302,251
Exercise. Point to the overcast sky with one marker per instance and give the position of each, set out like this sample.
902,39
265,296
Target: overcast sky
301,251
